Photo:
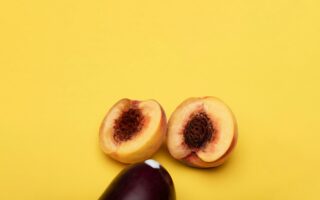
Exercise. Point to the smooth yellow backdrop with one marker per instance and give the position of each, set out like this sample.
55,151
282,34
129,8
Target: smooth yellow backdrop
64,63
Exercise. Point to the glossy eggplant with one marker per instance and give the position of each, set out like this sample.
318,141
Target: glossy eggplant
147,180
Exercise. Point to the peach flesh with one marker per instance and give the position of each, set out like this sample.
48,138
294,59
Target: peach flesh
202,132
194,161
133,130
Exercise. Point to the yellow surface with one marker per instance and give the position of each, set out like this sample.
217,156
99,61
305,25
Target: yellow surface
64,63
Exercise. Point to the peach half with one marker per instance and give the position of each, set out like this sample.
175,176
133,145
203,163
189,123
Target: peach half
132,131
202,132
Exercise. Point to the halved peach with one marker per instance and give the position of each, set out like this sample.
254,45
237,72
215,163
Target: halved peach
202,132
132,130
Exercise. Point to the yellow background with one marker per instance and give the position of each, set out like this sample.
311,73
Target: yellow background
64,63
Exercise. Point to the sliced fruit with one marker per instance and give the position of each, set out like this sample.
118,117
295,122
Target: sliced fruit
202,132
142,181
133,131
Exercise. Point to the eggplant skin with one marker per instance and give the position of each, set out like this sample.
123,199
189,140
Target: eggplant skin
141,181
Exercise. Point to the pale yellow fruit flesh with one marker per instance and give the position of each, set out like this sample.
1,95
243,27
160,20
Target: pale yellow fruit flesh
143,144
176,126
224,137
224,125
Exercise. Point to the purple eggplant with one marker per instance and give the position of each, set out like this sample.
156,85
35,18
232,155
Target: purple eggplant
147,180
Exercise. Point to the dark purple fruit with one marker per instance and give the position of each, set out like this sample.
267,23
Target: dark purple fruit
147,180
